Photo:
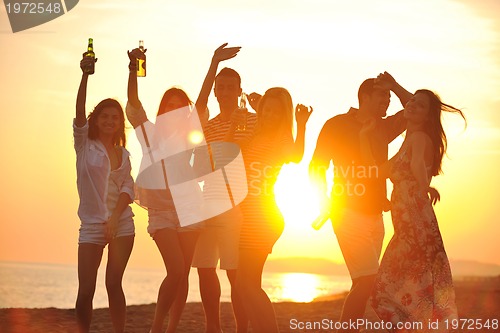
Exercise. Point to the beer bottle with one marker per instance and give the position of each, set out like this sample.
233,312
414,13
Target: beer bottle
320,220
90,53
242,126
141,62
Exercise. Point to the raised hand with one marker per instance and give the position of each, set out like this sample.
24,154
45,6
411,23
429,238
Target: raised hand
133,55
86,62
254,99
224,53
302,114
385,80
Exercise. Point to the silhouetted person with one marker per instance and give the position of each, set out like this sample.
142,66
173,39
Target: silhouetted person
271,145
220,235
414,282
358,196
106,190
176,243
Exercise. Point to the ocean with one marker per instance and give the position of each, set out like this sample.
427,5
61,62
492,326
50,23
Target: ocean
27,285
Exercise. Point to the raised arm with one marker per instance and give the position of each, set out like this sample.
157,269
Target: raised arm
387,81
302,114
254,99
135,113
81,118
221,53
132,93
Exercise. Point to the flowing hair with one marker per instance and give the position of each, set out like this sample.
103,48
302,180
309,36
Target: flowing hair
181,94
119,138
286,110
434,128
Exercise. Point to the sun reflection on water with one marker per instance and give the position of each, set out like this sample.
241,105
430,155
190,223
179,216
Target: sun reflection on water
300,287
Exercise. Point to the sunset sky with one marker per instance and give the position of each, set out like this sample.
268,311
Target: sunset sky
320,50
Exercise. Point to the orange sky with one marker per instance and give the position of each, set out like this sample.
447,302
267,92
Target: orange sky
319,50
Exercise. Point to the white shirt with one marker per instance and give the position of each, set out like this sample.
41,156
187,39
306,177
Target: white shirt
93,171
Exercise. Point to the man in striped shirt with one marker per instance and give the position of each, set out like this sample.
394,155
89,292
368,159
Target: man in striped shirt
220,237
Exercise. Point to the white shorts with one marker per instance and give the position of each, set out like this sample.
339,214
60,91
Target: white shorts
219,239
360,238
95,233
161,219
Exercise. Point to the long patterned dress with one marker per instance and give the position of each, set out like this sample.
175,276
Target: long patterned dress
414,282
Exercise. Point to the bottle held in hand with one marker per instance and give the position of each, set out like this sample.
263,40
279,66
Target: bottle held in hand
90,68
242,125
141,61
320,220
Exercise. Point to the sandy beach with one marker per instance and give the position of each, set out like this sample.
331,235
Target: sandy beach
475,300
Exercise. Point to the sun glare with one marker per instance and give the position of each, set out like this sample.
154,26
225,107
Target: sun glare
300,287
296,197
195,137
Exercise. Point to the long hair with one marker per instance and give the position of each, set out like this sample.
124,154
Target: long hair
286,110
119,138
181,94
434,128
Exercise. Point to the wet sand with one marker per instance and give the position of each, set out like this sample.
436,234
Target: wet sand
475,300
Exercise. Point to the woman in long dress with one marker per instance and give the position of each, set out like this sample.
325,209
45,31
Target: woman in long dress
414,288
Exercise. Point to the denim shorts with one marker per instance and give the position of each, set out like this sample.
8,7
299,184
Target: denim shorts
95,233
161,219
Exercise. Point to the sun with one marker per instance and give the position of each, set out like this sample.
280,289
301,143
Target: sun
298,202
296,197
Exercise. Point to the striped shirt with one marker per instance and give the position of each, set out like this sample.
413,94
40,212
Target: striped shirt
263,222
219,154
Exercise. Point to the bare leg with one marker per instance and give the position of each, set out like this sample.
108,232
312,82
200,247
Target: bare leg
355,302
236,300
188,243
168,243
210,297
257,304
119,250
89,259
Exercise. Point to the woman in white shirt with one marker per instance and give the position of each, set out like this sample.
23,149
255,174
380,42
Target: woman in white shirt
168,148
175,242
105,188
